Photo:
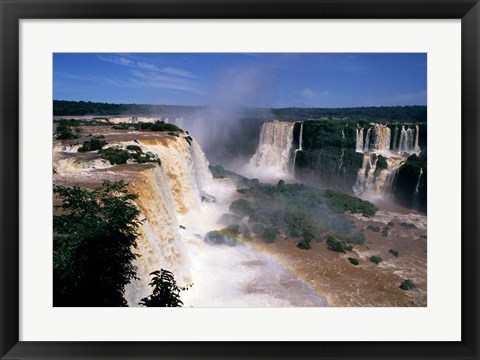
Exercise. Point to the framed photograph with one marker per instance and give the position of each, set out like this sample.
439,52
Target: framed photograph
239,180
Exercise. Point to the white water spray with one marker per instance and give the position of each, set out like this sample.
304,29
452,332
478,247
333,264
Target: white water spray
379,142
273,157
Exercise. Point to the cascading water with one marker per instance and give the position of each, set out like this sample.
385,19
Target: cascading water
300,148
416,194
300,138
176,214
342,154
367,140
273,157
379,142
417,147
359,140
170,197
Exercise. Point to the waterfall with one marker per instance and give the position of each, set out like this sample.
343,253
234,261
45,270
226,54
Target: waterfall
367,141
416,149
300,139
175,216
359,140
407,142
396,150
342,154
176,221
377,183
382,138
273,155
365,175
416,194
385,181
159,243
381,135
395,139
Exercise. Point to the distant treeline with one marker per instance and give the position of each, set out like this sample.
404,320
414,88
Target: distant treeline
79,108
383,113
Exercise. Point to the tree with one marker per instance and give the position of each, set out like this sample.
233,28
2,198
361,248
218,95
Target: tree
166,292
94,238
64,131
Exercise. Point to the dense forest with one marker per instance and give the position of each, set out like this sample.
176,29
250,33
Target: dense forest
383,113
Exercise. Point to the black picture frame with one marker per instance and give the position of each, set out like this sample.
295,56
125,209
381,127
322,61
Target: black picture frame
12,11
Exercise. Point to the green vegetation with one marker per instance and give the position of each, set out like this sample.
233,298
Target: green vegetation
258,229
358,238
391,223
408,225
226,236
86,122
335,245
134,148
75,108
64,131
140,157
394,252
321,166
385,232
408,175
373,228
381,163
241,207
341,202
92,145
304,245
296,211
353,261
120,156
218,172
269,234
376,259
189,140
165,292
115,155
383,113
156,126
407,285
93,241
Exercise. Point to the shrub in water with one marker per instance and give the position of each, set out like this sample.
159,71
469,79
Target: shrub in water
115,156
304,245
335,245
394,252
408,225
407,285
358,238
92,145
353,261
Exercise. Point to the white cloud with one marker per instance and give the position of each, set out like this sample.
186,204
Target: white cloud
158,80
176,72
307,93
146,66
119,60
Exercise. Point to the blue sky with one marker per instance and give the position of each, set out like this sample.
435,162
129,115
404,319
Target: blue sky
243,79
